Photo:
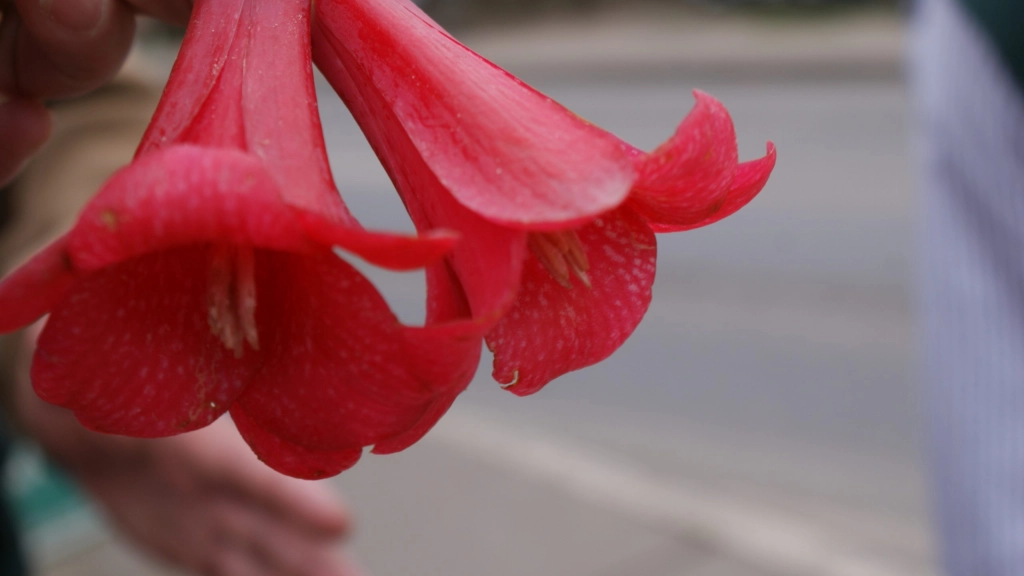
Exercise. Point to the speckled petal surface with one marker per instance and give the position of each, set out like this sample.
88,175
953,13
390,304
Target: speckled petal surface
292,459
503,150
130,351
750,179
688,177
184,195
552,330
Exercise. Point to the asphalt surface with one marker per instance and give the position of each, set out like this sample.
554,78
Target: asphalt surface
762,420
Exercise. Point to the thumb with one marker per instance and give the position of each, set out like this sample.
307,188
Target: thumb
25,124
62,48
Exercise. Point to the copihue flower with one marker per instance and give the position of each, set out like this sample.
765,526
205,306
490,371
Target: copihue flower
558,216
202,277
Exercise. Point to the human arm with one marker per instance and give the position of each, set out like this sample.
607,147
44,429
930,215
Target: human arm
200,501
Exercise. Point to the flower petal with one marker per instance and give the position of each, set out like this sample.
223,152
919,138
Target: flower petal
488,265
36,287
340,371
282,128
208,41
502,149
687,178
445,298
282,121
552,330
406,439
258,96
130,351
184,195
446,352
388,250
750,179
292,459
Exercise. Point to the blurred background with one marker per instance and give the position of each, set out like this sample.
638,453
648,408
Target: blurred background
763,420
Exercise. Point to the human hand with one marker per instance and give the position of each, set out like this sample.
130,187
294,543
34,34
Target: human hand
201,501
57,49
26,126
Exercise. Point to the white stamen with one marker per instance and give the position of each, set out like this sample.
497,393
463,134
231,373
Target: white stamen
231,298
245,292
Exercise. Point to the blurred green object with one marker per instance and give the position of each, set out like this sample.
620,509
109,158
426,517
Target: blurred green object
1004,22
38,492
12,559
54,520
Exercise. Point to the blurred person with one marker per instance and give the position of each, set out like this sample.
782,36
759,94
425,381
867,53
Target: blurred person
201,501
968,58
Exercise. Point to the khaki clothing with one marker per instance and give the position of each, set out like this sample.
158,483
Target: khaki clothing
93,137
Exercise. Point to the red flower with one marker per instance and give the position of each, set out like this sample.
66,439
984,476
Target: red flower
559,216
202,278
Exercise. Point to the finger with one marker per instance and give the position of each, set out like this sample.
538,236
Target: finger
25,125
276,545
62,48
235,562
308,506
311,506
171,11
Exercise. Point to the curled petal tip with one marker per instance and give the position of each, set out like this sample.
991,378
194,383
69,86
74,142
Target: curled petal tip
751,177
703,97
688,177
756,170
706,104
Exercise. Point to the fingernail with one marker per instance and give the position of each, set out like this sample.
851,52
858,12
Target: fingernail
75,15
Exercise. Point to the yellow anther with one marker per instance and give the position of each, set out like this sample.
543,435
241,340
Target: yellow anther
562,255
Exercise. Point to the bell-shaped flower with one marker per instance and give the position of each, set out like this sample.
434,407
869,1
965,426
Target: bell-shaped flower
202,277
558,216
